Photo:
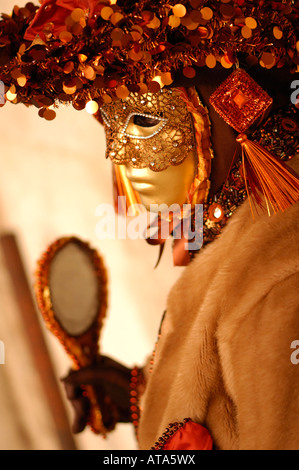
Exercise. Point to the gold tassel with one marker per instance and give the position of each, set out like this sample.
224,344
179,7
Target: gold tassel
266,175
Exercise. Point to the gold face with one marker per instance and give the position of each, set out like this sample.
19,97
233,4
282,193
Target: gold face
168,187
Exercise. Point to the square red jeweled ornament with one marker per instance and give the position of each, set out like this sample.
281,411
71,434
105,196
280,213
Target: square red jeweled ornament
239,100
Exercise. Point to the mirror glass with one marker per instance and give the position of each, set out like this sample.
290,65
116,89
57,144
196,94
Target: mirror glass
74,289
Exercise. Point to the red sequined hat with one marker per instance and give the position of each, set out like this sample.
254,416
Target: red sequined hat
92,51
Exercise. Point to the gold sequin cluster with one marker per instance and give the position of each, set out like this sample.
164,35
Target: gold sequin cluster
239,100
167,142
95,54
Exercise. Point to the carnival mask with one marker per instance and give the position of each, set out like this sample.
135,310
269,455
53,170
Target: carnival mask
153,130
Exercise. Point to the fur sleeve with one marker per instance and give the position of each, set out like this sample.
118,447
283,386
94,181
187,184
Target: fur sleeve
265,380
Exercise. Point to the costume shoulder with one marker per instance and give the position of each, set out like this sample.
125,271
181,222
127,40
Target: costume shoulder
260,254
258,324
238,269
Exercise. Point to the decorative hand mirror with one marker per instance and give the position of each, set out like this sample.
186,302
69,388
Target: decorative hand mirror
71,292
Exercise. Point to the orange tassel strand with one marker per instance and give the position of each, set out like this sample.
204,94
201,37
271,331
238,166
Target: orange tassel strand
269,176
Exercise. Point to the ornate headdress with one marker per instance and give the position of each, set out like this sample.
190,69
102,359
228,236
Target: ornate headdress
93,52
81,51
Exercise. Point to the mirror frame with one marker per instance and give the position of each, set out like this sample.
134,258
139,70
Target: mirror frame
83,349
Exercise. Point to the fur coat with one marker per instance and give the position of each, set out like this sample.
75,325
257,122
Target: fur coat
224,355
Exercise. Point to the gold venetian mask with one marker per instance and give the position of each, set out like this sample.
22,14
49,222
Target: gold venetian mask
155,142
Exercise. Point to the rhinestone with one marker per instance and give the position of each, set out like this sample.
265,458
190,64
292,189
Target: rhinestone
124,141
172,108
137,147
154,148
134,159
175,144
217,213
112,154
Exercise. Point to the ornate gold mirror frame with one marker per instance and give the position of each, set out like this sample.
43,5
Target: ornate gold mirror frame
71,277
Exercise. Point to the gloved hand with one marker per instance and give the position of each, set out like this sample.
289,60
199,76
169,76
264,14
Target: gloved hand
111,383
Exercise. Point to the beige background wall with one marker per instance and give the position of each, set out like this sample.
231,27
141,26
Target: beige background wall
53,176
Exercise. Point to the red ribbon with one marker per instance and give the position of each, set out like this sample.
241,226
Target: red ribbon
56,12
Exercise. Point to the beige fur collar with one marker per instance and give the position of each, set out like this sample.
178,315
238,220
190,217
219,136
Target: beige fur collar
217,292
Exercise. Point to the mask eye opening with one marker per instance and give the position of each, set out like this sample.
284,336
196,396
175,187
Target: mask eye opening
160,120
